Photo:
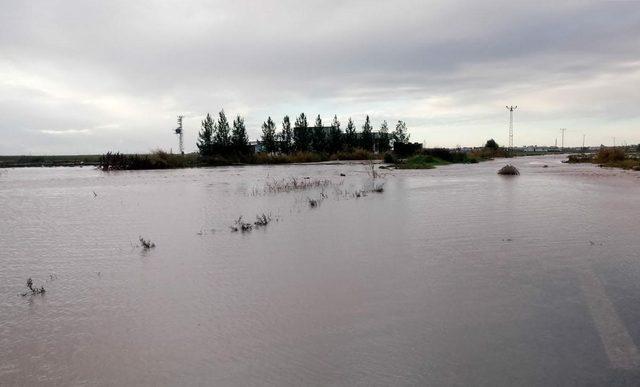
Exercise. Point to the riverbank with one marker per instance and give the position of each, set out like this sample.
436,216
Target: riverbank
166,160
24,161
428,159
608,158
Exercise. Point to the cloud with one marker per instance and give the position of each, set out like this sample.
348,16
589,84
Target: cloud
447,68
66,132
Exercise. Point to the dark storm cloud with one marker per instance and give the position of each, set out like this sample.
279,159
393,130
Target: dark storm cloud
111,74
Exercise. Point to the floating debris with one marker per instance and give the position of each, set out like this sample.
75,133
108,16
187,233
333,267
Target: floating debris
378,188
146,244
509,170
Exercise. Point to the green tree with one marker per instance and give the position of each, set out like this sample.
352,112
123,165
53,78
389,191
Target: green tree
350,135
400,134
335,136
286,136
221,136
301,138
318,141
205,137
239,138
384,138
492,144
269,136
366,140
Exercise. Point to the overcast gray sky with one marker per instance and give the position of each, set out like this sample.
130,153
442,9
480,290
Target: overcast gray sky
90,76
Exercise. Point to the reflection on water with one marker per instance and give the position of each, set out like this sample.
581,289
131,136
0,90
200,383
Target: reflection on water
450,276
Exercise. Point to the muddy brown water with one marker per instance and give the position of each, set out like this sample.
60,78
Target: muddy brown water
452,276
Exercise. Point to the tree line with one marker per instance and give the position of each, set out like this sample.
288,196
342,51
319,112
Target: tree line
217,137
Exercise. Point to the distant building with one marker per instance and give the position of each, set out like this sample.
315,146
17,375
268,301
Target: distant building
257,146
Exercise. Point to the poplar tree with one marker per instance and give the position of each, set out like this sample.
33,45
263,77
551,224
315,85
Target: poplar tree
221,137
335,136
269,136
400,134
383,140
239,138
319,141
205,137
366,140
286,136
301,136
350,135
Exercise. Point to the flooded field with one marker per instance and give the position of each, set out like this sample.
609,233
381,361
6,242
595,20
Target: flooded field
451,276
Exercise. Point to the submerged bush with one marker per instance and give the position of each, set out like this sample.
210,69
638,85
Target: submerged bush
610,155
240,225
33,290
508,170
262,220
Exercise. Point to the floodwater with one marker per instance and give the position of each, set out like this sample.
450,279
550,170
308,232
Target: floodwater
452,276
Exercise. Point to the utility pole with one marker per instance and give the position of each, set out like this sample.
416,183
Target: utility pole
511,109
563,130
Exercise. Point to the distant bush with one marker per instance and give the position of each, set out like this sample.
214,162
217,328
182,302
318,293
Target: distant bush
580,159
448,155
610,155
421,162
390,158
158,159
356,154
488,153
406,149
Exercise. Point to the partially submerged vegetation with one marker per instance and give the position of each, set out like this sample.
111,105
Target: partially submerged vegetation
157,159
420,162
262,220
293,184
33,290
613,157
146,244
430,158
509,170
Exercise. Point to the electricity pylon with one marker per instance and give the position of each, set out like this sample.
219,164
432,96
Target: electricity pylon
511,109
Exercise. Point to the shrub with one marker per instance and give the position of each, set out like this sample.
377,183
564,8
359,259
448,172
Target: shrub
610,155
390,158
